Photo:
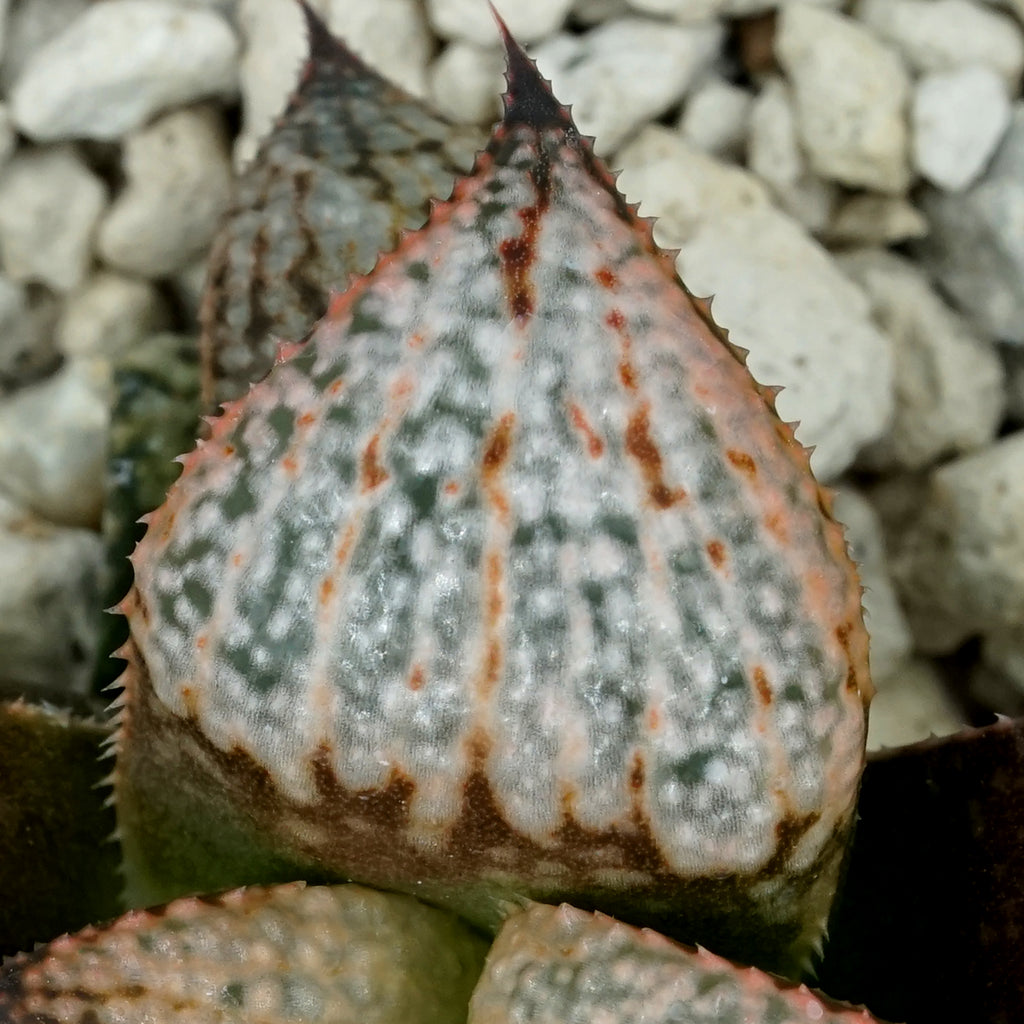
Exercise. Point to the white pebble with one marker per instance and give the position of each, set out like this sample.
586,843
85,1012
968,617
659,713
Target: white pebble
179,184
4,6
120,62
975,243
911,706
53,438
626,72
958,119
108,315
27,317
274,48
30,26
50,204
949,382
682,10
1003,651
960,566
872,219
701,10
49,600
938,35
466,83
472,22
775,155
716,118
593,12
851,92
8,137
681,185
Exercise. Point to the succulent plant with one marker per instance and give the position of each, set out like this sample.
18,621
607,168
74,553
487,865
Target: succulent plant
154,413
291,952
350,164
505,584
57,869
560,965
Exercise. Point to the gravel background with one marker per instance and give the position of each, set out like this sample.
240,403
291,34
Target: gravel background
847,178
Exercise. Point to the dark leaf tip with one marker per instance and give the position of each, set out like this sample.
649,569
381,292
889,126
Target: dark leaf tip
528,99
325,49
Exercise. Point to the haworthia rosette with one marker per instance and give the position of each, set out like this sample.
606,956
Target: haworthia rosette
508,582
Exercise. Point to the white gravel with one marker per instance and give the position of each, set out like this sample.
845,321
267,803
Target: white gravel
882,122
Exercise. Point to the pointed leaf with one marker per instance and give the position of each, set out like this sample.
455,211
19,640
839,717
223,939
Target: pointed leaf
508,582
558,965
349,165
153,418
259,956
